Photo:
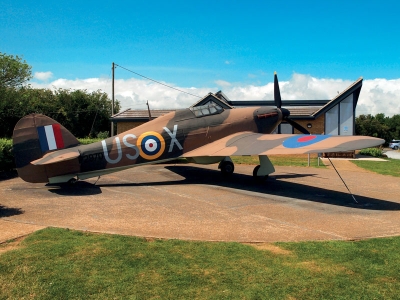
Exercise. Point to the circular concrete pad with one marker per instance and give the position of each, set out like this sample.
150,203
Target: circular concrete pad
194,202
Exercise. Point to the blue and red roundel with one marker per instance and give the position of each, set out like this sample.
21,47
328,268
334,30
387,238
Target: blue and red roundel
151,145
299,141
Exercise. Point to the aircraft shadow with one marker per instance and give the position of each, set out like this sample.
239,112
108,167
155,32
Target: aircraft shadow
80,188
273,186
6,175
9,211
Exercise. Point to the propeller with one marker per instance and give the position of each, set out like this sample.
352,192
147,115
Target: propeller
285,112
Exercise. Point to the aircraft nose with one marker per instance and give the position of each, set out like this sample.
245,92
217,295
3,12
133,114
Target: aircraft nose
285,112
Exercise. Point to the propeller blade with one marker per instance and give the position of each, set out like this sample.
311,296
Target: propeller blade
285,112
297,126
277,92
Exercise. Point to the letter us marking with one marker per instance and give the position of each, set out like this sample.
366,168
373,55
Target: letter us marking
173,138
118,143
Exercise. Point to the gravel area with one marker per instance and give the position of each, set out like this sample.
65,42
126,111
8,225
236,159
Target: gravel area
194,202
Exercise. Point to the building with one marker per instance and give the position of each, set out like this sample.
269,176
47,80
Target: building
335,117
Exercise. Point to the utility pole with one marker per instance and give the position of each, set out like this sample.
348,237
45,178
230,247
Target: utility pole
112,97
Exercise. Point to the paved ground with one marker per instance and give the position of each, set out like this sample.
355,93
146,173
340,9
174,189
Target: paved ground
195,203
393,154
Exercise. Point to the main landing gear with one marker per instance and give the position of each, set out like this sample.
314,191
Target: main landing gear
260,172
227,167
256,177
72,182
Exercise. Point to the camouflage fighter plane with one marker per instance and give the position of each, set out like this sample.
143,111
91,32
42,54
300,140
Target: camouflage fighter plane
45,151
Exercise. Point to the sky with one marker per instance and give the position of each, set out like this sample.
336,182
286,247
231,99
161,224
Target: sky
318,48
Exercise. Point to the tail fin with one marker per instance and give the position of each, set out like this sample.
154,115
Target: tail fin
35,135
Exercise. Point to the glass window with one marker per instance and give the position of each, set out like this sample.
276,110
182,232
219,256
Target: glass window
210,108
205,111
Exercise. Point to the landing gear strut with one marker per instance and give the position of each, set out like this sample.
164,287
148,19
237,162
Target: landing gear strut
261,172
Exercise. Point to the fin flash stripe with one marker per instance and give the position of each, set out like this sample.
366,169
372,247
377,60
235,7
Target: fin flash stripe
50,137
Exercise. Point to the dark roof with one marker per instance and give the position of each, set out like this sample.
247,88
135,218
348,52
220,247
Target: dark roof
246,103
139,115
302,110
299,109
355,88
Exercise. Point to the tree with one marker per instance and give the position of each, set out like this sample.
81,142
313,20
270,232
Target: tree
83,113
14,71
387,128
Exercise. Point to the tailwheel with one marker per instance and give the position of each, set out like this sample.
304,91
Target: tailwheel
258,178
227,168
72,181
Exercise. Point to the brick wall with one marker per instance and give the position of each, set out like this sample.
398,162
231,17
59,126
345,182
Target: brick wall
124,126
318,125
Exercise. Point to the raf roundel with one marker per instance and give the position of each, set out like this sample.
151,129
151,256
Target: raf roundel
299,141
151,145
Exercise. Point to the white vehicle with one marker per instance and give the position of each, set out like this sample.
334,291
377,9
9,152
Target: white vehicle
395,144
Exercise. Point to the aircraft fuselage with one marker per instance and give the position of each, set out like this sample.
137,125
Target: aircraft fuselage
173,134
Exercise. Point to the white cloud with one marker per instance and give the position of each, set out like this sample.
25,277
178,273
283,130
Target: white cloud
133,93
223,83
43,76
377,95
380,96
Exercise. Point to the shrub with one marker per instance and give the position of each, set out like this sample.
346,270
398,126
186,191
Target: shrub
6,155
87,141
103,135
375,152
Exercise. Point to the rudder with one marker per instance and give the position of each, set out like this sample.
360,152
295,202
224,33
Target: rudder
35,135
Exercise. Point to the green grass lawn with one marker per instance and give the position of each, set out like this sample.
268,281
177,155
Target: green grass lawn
390,167
64,264
281,160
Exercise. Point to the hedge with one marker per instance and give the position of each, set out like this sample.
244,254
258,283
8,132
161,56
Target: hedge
6,155
375,152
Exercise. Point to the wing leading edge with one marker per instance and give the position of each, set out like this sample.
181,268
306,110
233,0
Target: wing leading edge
249,143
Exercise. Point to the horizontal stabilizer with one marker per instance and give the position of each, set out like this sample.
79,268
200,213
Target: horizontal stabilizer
55,157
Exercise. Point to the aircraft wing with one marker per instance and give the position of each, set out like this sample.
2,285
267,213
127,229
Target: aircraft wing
57,156
250,143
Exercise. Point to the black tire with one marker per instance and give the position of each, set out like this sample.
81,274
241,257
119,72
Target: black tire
227,168
255,171
258,178
396,147
72,181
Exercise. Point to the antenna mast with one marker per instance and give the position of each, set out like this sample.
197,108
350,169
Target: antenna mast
148,109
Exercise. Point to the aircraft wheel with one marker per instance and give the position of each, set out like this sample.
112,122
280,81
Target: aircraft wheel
72,181
256,177
227,168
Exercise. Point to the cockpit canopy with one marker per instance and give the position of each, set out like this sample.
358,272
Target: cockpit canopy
210,108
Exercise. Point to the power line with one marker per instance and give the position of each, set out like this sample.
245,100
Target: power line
171,87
